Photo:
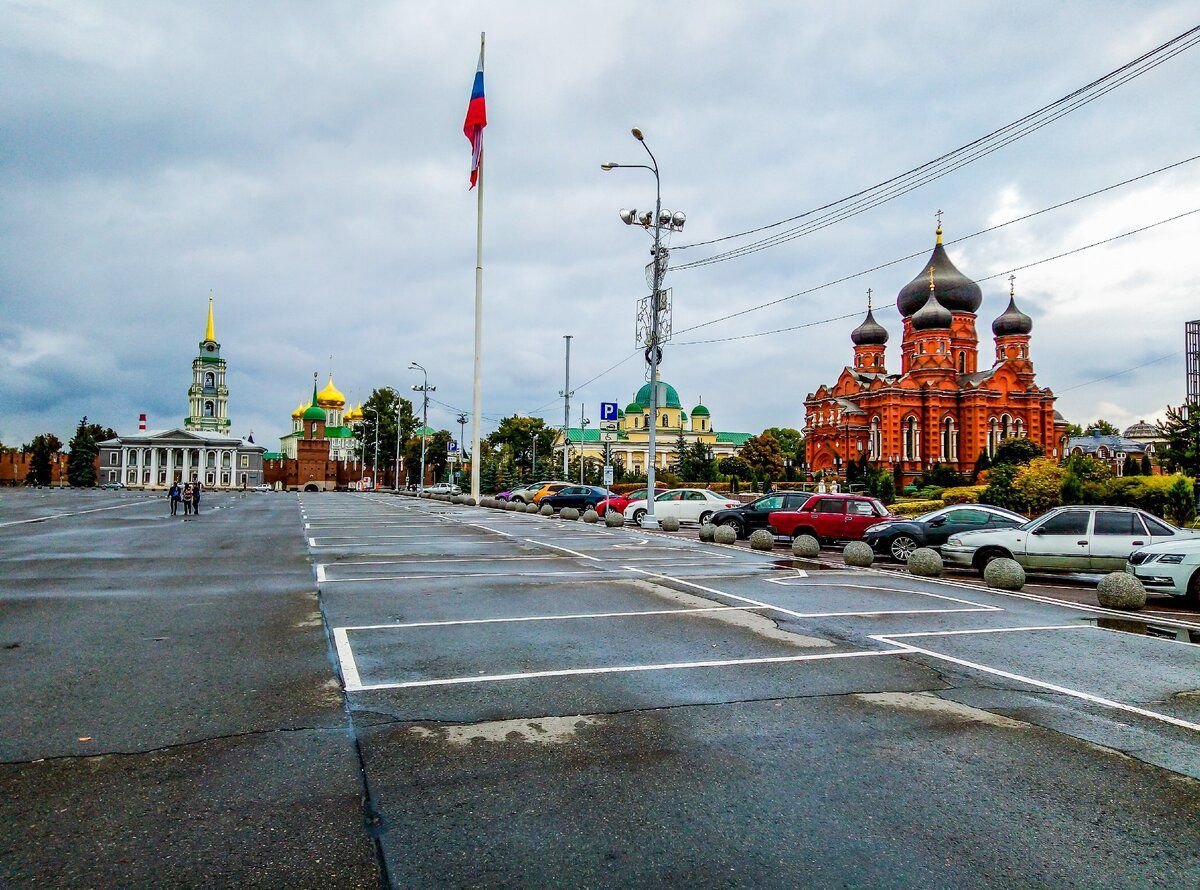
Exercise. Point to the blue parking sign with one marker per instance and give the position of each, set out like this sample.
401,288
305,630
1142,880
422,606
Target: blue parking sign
608,410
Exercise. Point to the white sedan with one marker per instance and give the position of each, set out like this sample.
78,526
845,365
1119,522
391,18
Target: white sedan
685,504
1172,568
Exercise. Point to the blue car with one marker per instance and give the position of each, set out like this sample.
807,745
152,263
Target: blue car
581,497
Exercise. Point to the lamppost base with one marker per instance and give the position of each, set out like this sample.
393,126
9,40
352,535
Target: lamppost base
649,522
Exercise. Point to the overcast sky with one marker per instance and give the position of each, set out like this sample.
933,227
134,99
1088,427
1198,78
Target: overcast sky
305,162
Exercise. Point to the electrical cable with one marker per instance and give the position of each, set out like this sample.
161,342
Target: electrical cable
916,177
1161,358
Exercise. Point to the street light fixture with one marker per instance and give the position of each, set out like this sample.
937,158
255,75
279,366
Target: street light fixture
673,222
424,389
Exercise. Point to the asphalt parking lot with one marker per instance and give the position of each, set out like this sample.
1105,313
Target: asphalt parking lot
486,698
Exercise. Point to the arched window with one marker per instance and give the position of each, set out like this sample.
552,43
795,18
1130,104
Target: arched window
949,440
1020,428
993,436
209,409
1006,427
912,439
876,439
209,380
962,363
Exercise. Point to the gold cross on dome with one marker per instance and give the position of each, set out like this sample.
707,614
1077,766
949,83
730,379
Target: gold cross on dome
1011,286
931,278
939,218
868,299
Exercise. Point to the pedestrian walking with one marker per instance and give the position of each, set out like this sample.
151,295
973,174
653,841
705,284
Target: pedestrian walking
196,488
174,496
187,499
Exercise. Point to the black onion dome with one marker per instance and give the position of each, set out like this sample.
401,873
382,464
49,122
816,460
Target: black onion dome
869,333
932,316
955,291
1012,321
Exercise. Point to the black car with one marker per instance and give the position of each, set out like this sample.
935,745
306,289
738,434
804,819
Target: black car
748,517
899,537
581,497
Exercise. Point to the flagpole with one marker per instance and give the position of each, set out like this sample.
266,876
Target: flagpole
477,396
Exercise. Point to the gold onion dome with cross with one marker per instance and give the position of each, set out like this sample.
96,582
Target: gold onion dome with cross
331,396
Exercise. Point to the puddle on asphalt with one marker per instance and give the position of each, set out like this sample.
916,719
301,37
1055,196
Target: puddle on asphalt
791,565
1146,628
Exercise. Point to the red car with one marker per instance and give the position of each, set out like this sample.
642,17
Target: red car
829,517
620,501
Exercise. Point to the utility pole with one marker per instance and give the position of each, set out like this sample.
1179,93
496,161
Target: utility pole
584,423
424,389
533,461
462,448
566,394
396,464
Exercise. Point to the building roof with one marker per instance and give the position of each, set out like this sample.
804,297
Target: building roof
339,432
671,400
634,408
210,332
314,411
953,289
425,431
932,316
738,439
1012,320
331,396
1141,430
700,411
1092,444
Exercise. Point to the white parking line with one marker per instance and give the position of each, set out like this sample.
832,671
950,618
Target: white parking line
573,617
563,549
457,575
621,669
1040,684
141,502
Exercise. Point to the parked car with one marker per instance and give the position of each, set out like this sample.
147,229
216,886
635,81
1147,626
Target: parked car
546,490
442,488
829,517
262,486
619,502
581,497
746,518
113,486
898,536
1171,567
1072,539
685,504
503,495
523,494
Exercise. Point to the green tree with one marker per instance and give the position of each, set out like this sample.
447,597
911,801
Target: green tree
517,435
1088,468
1074,431
1000,491
1101,427
698,463
791,442
41,453
1130,466
1039,484
436,447
1181,501
983,462
84,446
1180,452
762,454
1016,452
381,409
1146,470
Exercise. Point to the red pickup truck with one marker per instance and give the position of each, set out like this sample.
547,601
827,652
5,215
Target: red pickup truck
829,517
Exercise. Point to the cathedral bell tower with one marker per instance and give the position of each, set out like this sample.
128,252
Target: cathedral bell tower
208,396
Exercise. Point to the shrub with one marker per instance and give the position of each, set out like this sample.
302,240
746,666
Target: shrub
1181,501
968,494
915,508
930,493
1000,491
1016,452
1038,485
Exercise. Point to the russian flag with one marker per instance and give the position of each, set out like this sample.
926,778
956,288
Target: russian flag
476,121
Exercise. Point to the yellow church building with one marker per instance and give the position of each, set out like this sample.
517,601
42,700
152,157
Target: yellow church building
632,443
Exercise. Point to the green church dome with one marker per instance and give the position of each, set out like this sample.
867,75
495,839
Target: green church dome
672,399
314,412
700,409
633,408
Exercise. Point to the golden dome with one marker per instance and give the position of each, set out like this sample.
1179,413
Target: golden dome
299,410
330,396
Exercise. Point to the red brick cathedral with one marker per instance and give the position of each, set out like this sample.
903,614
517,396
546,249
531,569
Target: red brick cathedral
940,408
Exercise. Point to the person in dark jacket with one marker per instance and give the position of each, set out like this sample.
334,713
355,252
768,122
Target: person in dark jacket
196,497
175,496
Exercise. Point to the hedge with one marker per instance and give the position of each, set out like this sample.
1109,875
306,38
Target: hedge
914,508
965,495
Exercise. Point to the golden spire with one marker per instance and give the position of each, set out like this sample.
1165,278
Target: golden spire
210,333
939,226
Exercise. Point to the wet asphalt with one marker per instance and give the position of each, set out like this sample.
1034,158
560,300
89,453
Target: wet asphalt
533,702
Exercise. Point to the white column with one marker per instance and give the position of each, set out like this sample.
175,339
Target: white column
154,466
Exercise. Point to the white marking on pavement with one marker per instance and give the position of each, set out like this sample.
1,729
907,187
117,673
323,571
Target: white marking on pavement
573,617
346,657
563,549
141,502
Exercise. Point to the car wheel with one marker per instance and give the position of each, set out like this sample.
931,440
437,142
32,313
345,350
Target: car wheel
638,516
735,525
983,557
705,516
1193,591
901,547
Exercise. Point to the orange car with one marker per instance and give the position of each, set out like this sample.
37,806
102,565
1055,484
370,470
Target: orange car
552,488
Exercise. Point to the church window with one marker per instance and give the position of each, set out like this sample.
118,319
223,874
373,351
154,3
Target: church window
875,447
314,430
993,436
1006,427
113,459
962,363
949,440
209,409
209,380
912,439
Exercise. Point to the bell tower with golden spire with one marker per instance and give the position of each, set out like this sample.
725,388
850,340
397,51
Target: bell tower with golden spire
208,396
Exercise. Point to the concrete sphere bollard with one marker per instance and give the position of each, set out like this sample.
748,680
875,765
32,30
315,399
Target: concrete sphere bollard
590,515
1121,590
1004,574
806,547
568,513
485,501
468,501
531,508
725,534
858,554
613,519
456,499
514,506
925,563
669,524
708,532
546,510
761,539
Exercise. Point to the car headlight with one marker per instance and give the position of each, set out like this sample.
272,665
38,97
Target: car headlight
1171,558
877,527
954,541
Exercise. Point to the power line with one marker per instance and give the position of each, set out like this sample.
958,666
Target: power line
903,183
1155,361
918,253
588,381
1049,259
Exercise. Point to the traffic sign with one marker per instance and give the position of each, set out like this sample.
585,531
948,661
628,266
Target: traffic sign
609,436
608,411
608,424
452,448
608,476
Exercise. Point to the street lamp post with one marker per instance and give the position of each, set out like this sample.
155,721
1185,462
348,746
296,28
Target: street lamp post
673,222
375,453
462,447
584,423
396,464
424,389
